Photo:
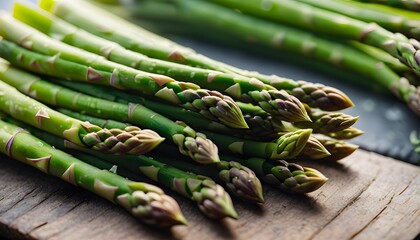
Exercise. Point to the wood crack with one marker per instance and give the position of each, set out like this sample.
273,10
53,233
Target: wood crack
383,209
344,208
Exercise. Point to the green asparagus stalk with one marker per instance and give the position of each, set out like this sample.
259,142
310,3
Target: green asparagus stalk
88,17
292,40
392,21
380,55
210,197
189,142
289,177
98,70
240,88
131,140
143,200
413,5
332,24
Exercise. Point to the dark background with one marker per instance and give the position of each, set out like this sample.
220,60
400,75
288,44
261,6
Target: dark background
386,121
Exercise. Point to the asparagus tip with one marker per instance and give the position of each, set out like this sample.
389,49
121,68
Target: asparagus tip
242,181
307,181
214,201
291,144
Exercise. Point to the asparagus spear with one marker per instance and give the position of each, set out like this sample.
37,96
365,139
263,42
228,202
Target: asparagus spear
98,70
189,142
392,21
289,177
413,5
132,37
241,88
143,200
131,140
280,37
332,24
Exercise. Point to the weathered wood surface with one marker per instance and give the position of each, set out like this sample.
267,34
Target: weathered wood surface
368,197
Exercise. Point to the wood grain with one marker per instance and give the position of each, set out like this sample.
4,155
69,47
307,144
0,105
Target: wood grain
368,196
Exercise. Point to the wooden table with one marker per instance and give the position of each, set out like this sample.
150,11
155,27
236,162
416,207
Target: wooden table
368,197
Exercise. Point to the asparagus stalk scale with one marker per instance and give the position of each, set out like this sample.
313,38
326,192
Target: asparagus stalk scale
131,140
88,17
293,40
101,71
189,142
240,88
143,200
289,177
333,24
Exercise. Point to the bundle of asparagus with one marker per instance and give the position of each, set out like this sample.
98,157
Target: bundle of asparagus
93,71
359,37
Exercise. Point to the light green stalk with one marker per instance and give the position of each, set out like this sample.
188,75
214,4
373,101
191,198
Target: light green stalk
143,200
189,142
